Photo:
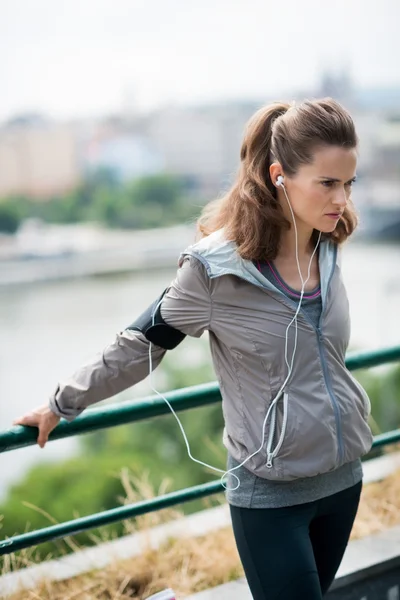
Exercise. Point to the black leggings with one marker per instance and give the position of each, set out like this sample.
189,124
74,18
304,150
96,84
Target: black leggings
294,553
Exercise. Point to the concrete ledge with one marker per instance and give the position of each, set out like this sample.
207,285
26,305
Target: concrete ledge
235,590
377,469
370,556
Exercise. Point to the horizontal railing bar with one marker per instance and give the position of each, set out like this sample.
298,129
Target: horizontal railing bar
383,439
365,360
112,415
33,538
122,413
54,532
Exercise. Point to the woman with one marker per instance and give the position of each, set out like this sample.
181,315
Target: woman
265,281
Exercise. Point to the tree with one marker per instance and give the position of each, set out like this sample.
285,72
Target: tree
9,217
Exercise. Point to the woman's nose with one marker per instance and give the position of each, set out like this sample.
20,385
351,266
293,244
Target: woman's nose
341,197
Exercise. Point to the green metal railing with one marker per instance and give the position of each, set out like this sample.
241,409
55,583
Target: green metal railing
112,415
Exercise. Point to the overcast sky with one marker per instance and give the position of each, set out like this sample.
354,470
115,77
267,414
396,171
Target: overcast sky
85,57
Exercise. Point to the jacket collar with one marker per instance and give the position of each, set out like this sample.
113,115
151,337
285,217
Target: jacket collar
220,257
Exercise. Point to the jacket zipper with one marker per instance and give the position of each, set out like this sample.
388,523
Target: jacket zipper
330,392
321,350
271,455
326,372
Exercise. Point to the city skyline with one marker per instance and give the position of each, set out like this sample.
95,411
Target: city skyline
88,58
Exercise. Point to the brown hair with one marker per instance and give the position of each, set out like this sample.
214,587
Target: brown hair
250,212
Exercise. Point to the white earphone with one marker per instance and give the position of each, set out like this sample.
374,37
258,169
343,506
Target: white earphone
271,454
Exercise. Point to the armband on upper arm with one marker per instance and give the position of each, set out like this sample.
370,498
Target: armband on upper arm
159,332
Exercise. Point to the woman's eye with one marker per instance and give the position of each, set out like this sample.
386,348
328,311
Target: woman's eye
332,183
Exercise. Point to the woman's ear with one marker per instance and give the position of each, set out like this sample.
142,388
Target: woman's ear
275,170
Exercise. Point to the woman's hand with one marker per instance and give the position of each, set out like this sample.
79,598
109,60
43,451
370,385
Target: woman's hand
43,418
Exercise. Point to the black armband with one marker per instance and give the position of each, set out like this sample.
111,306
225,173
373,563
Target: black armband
159,333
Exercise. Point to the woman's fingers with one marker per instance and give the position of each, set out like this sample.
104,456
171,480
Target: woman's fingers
42,418
30,420
43,436
47,425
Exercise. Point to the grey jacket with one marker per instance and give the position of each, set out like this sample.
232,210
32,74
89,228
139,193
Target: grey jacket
318,423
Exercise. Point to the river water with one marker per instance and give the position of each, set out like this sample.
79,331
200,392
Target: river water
49,329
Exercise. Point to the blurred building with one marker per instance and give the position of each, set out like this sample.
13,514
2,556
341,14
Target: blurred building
38,158
388,147
338,85
125,155
201,143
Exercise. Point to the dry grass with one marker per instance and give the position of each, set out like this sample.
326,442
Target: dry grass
191,565
379,507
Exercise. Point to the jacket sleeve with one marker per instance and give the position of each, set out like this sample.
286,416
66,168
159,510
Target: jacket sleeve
186,306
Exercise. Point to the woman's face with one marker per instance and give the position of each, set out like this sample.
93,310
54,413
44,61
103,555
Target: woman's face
319,192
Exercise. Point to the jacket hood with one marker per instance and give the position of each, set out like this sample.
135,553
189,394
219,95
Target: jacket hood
220,257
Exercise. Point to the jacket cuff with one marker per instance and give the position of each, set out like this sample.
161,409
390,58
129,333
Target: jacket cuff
68,414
